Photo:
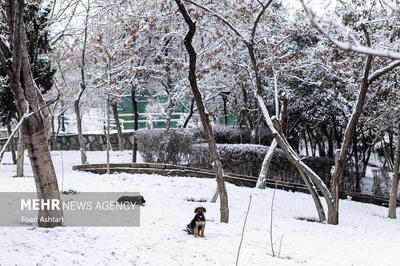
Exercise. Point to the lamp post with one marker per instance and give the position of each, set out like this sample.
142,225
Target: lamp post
62,122
224,95
108,133
62,117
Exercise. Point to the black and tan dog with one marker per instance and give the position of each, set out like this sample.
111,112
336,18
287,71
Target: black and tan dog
198,223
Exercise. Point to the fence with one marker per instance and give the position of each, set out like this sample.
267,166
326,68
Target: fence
93,122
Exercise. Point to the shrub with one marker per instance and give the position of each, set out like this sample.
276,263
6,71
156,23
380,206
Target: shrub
159,146
245,159
232,135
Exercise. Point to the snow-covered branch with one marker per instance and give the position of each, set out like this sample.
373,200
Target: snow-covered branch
380,72
348,46
224,20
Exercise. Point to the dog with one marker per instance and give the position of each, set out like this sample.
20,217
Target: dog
139,200
198,223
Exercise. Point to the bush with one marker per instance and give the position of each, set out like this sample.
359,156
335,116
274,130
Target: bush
159,146
245,159
189,147
231,135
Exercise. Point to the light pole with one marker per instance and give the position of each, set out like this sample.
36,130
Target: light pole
108,133
224,95
62,118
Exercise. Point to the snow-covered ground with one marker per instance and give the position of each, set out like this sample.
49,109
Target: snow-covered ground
364,237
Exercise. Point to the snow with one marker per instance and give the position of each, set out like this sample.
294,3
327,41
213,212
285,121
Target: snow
364,237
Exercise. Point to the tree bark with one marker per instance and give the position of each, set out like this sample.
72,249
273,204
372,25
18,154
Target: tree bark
21,153
82,147
12,146
266,164
135,123
190,114
395,181
315,197
53,134
118,126
356,162
224,208
169,114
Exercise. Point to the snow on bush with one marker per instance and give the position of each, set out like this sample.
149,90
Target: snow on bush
189,147
243,159
160,146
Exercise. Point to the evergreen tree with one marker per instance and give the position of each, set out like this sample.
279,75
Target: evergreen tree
36,21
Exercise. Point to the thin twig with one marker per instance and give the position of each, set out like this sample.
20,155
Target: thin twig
280,247
244,226
25,116
270,225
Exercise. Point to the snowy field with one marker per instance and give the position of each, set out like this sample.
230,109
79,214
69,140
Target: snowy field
364,237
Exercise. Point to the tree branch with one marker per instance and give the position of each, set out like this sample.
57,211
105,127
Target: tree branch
380,72
347,46
218,16
253,31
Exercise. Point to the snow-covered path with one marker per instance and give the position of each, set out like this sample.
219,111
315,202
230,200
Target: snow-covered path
364,237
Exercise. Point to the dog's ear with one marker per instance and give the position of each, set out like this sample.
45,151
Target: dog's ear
195,210
204,209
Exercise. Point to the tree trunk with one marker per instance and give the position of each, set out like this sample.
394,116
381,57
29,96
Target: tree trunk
395,181
315,197
356,161
391,133
12,146
224,208
118,126
190,114
21,153
341,157
80,134
265,165
305,142
82,90
27,99
238,122
169,114
135,124
321,147
42,166
53,134
53,129
330,145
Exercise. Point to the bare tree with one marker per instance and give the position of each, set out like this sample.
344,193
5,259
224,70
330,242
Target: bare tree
224,208
395,180
135,123
82,90
21,153
117,125
12,146
366,81
309,176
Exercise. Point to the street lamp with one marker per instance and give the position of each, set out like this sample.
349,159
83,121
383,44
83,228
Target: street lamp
224,95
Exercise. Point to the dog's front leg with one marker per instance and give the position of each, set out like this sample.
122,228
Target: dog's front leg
202,229
196,230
